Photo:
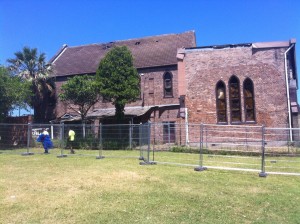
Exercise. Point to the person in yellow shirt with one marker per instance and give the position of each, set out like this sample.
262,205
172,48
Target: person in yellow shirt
71,138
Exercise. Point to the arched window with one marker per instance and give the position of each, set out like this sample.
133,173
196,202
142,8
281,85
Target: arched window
221,102
249,100
235,99
168,86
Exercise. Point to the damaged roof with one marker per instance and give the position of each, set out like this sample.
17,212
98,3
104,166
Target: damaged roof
147,52
110,112
128,111
274,44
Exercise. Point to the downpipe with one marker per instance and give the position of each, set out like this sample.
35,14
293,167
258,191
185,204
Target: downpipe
288,91
186,127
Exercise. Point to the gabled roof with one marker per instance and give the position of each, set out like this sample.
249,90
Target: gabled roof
147,52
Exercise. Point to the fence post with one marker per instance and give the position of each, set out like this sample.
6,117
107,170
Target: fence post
169,133
83,129
101,144
154,140
130,135
52,135
29,133
262,173
140,141
147,161
201,167
62,142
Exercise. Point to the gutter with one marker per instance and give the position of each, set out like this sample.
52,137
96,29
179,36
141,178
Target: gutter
288,91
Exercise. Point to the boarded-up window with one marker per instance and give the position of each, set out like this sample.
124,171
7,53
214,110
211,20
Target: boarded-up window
249,100
235,99
221,102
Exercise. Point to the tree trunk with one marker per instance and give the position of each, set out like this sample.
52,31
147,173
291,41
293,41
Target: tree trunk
120,108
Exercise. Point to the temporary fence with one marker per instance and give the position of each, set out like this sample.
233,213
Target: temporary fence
201,146
13,136
281,154
228,147
97,140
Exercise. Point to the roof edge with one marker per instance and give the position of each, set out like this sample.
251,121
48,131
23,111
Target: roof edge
59,52
139,38
272,44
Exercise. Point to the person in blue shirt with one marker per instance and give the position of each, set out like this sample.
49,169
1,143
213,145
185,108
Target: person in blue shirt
44,138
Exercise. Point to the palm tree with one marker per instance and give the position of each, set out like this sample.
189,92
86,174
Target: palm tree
32,67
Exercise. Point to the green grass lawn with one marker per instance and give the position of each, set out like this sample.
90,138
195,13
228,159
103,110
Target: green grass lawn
81,189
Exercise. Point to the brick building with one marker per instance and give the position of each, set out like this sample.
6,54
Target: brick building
156,62
244,84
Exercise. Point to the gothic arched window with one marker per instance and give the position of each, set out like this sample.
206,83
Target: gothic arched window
221,102
235,100
249,100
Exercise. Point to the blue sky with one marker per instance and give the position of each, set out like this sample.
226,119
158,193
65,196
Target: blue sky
47,25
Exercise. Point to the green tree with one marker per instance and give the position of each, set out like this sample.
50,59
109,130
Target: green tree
30,66
117,79
80,92
13,93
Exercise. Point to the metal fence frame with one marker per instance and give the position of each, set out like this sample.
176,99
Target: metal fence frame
151,138
260,139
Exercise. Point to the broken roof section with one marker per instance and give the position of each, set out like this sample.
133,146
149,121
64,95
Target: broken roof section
110,112
257,45
128,111
136,111
147,52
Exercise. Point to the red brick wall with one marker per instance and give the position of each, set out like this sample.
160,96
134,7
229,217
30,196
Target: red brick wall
61,108
152,93
265,67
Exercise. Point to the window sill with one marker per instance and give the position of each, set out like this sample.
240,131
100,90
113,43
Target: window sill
236,123
222,123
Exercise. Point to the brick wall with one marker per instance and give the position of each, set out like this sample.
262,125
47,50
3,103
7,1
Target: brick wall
152,93
265,67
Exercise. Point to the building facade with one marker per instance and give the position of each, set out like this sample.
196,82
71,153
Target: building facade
156,63
241,84
236,84
251,84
